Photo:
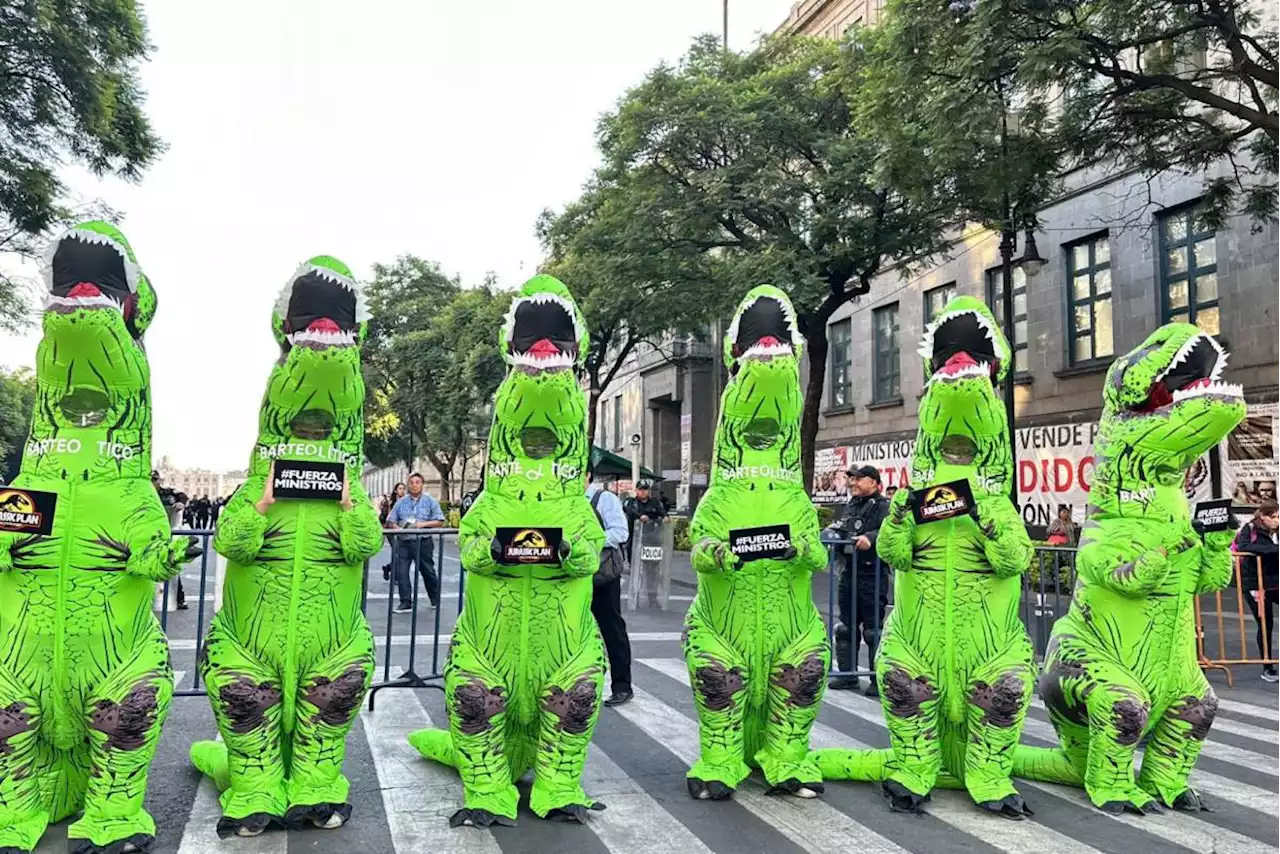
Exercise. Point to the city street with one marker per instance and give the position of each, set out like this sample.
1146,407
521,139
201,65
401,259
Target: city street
637,764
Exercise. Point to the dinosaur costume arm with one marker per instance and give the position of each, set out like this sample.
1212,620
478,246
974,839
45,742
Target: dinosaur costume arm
241,528
711,556
896,540
1217,567
584,548
1006,542
7,542
154,554
1125,565
360,529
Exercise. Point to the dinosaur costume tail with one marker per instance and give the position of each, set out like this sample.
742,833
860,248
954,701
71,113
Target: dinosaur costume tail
210,759
868,766
436,745
1045,765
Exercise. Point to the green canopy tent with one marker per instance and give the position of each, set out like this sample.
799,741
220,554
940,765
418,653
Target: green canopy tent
612,465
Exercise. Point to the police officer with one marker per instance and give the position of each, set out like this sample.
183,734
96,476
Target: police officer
643,507
860,523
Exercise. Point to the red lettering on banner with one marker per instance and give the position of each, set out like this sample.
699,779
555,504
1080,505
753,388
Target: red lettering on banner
1085,484
1062,474
1026,467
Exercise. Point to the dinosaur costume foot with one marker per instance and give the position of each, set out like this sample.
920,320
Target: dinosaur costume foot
794,786
1136,806
902,799
479,818
250,825
708,790
1011,807
139,842
574,812
1191,801
323,816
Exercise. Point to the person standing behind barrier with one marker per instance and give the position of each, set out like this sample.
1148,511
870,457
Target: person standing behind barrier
606,595
643,507
415,510
863,514
1257,540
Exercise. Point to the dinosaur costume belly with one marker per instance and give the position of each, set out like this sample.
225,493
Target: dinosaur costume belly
526,663
1122,664
755,643
289,656
955,664
85,681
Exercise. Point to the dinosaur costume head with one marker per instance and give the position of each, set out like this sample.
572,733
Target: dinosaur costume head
758,436
314,405
962,414
92,416
1164,405
538,446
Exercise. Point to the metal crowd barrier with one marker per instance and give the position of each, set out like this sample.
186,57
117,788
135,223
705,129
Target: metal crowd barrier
1248,580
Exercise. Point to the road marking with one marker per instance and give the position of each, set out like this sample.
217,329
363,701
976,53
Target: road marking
954,808
1270,713
425,638
418,795
634,822
813,825
178,676
200,836
1234,791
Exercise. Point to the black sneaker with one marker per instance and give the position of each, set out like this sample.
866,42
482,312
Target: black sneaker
403,608
619,697
843,683
1269,673
182,606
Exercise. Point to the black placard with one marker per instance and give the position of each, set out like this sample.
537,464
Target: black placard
27,511
942,501
529,545
765,542
305,479
1215,515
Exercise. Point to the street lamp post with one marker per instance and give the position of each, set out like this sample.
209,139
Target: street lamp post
726,24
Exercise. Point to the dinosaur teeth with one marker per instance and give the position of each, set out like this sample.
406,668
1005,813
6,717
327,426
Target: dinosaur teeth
759,351
324,338
52,301
1215,388
554,360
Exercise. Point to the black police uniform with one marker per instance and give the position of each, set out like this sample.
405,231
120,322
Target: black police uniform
862,518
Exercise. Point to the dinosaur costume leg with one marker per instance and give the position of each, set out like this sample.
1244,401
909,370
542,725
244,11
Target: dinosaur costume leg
797,682
719,676
123,717
998,696
249,764
912,711
569,708
328,699
1177,738
24,811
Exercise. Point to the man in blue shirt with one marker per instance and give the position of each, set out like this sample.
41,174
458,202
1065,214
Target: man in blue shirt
606,596
416,509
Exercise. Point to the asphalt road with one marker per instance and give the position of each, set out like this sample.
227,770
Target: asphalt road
641,751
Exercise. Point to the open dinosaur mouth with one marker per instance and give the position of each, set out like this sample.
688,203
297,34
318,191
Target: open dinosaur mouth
321,311
89,271
764,330
1195,371
543,333
962,345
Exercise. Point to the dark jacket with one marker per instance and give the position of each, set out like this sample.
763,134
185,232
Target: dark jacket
635,508
1257,545
862,518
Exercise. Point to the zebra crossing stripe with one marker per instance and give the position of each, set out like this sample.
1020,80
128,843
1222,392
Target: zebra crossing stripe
418,795
200,836
1015,837
1224,788
178,676
1270,713
813,825
633,822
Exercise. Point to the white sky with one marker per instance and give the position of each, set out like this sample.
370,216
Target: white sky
362,130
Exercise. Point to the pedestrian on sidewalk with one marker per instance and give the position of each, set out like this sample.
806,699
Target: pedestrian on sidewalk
606,595
1260,576
862,577
416,510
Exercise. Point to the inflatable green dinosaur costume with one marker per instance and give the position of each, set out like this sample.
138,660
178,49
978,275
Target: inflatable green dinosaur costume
1122,663
754,641
85,681
955,665
522,684
289,656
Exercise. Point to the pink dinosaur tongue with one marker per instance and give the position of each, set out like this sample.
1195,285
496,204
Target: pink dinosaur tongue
1199,383
958,362
85,289
324,324
544,347
768,341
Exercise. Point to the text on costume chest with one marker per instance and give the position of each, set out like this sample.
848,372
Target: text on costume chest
306,449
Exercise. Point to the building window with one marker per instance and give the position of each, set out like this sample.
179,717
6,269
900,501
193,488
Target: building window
617,422
995,300
1089,320
886,368
1188,271
841,380
936,300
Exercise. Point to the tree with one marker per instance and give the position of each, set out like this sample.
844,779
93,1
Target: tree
68,86
17,397
755,157
624,299
1159,85
431,364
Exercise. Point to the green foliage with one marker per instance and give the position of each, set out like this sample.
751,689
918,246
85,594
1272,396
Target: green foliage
681,534
431,364
826,514
1042,564
68,87
17,396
